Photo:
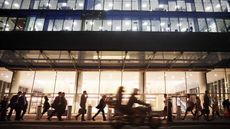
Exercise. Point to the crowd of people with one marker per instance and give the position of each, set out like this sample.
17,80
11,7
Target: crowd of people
19,104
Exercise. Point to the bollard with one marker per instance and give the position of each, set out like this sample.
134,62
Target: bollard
109,114
69,112
39,110
89,112
178,112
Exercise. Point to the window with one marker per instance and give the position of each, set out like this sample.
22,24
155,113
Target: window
20,24
208,6
58,25
156,25
202,25
39,24
220,25
174,24
199,5
77,25
16,4
211,25
2,23
108,5
7,4
10,24
68,24
80,4
25,4
97,26
145,5
116,25
126,25
146,25
126,5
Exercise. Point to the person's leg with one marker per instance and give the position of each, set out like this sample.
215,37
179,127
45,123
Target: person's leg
103,114
10,113
18,113
186,112
96,114
23,113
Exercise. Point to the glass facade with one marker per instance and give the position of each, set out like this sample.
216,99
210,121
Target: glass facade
155,24
96,83
141,5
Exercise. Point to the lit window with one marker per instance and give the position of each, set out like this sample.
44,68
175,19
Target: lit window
6,3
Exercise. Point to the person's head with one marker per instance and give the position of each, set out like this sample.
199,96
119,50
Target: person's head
24,93
120,89
59,94
165,95
84,92
135,91
19,93
206,92
63,94
103,96
46,98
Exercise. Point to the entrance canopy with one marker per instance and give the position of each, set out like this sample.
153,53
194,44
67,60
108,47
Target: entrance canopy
120,60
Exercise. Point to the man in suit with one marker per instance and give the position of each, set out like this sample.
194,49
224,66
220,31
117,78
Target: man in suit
57,107
101,107
14,105
23,104
82,111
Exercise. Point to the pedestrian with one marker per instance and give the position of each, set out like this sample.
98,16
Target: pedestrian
23,104
3,108
206,105
169,110
14,105
190,106
165,106
46,106
215,108
198,108
82,110
100,108
57,107
62,106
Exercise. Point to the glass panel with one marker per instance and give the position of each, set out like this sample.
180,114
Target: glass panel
145,5
25,4
36,4
135,25
175,82
1,3
58,25
130,81
39,24
7,4
110,81
225,5
208,6
117,5
16,4
146,25
2,23
68,23
172,5
99,4
134,5
202,25
108,5
53,4
126,5
199,5
220,25
77,25
70,4
88,25
155,5
156,25
10,24
80,4
211,25
181,5
90,4
116,25
174,25
126,25
227,22
97,26
107,25
183,25
30,24
51,24
216,5
20,24
192,25
165,24
155,82
163,5
44,4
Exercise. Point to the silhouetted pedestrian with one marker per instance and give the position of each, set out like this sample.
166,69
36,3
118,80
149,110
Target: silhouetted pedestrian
206,105
82,110
46,106
23,104
14,105
190,106
215,108
169,110
3,108
57,107
100,108
165,106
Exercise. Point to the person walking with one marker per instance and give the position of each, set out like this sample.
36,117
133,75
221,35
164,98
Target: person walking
3,108
190,106
57,107
206,105
82,110
46,106
100,108
14,105
23,104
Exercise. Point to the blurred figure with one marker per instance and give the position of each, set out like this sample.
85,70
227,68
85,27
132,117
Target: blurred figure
57,107
169,110
14,105
226,105
62,106
165,106
82,110
190,106
100,108
215,109
198,108
23,104
46,106
3,108
206,105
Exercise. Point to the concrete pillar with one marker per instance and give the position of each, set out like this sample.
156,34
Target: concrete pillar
202,80
14,87
142,85
78,84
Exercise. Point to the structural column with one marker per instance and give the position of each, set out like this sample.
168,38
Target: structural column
142,85
202,80
78,85
14,87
